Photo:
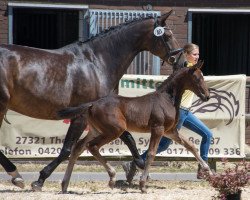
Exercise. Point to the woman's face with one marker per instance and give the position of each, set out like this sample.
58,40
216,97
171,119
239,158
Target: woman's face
193,57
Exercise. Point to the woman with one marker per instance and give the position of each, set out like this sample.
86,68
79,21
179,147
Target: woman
186,119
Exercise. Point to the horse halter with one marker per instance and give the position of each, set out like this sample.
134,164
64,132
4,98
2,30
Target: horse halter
160,33
176,60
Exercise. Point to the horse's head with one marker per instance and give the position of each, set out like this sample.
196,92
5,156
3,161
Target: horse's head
164,44
196,82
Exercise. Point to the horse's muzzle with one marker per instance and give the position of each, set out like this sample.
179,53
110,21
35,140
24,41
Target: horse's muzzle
172,54
175,51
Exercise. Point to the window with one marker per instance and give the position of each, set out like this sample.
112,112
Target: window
224,40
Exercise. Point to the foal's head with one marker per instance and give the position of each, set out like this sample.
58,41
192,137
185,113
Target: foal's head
195,82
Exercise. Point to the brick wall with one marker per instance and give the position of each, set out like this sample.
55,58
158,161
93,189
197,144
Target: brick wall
3,23
139,3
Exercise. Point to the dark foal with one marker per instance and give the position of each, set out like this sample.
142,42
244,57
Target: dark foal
38,82
155,112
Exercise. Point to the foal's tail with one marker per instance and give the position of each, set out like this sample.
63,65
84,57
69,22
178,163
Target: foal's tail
72,112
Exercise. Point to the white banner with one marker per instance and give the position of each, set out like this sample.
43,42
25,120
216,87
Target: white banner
224,114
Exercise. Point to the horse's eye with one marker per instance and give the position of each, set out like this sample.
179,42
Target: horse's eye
168,35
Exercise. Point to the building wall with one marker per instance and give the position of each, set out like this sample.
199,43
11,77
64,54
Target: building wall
179,3
3,23
178,18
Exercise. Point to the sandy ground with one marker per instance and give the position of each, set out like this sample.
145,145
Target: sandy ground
157,190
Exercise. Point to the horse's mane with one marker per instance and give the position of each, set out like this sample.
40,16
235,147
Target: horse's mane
119,26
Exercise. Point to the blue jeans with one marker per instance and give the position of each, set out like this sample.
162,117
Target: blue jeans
190,121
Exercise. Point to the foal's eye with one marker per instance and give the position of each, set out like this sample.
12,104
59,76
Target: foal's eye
197,79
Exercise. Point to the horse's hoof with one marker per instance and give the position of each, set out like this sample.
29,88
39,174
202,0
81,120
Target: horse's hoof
140,163
19,182
36,186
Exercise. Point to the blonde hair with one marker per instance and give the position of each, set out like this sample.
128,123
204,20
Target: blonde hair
189,47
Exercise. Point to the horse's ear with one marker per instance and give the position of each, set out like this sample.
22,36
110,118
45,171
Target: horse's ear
164,17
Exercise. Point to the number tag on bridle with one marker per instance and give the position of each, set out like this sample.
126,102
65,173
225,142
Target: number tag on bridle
159,31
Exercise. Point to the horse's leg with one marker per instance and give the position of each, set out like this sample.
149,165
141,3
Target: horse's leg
77,149
174,135
156,134
74,132
9,167
127,138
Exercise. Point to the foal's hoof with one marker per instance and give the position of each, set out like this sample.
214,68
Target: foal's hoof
64,192
112,184
36,187
143,190
143,187
64,188
19,182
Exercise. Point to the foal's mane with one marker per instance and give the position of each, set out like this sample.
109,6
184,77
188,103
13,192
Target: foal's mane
167,83
119,26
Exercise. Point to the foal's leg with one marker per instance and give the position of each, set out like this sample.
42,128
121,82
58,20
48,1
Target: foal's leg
94,146
156,134
74,132
72,159
128,139
77,150
174,135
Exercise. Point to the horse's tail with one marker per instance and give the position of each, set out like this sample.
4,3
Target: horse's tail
72,112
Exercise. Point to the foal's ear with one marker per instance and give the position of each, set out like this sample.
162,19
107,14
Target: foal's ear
164,17
198,65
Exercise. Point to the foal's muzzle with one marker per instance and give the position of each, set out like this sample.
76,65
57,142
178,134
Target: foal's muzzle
206,95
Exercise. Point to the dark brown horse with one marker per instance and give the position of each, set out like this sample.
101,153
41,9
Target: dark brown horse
38,82
155,112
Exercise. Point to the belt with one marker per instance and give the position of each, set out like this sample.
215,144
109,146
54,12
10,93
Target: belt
184,108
